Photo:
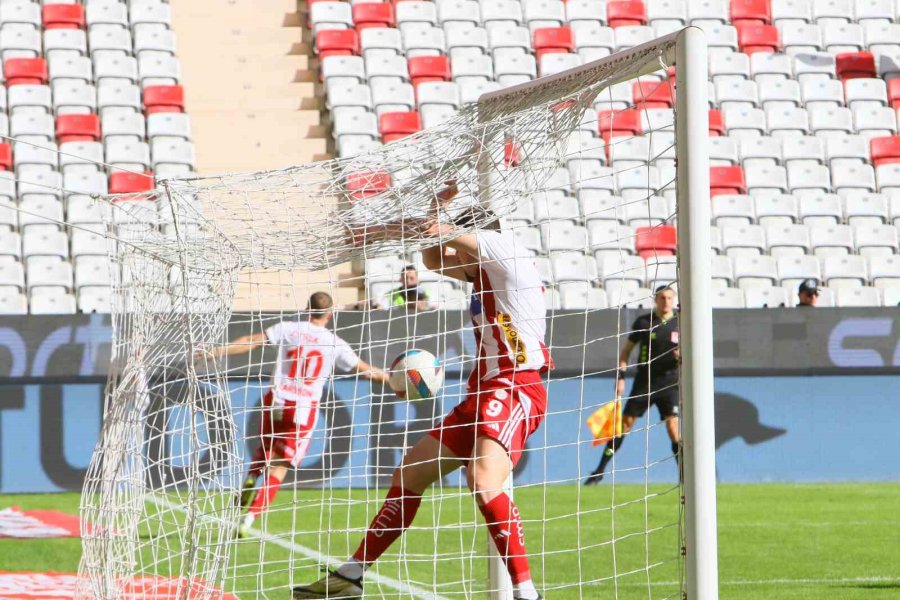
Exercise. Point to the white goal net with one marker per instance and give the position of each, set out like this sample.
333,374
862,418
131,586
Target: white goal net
580,168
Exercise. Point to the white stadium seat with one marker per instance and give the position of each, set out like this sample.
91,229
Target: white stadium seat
766,297
821,209
51,302
728,298
858,296
791,12
755,271
831,240
844,271
876,240
779,209
787,240
884,271
866,209
794,269
743,240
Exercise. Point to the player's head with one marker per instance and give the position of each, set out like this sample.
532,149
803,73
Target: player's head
409,277
477,216
808,292
320,307
665,299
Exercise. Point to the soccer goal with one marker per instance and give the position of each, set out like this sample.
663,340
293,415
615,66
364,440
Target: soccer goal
598,172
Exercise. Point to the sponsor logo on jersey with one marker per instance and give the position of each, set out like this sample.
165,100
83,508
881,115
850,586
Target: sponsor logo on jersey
504,320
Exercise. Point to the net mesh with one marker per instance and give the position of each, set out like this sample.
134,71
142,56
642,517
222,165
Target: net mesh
202,261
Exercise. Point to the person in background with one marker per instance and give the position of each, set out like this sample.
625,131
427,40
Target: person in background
409,294
808,293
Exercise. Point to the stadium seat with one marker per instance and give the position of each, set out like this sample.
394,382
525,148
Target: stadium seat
380,41
885,150
743,123
755,271
831,240
429,68
467,42
336,42
723,151
625,13
843,37
6,158
629,36
789,12
398,125
830,122
858,296
424,41
875,121
757,151
653,94
501,14
580,295
458,15
728,209
853,65
743,240
659,240
866,209
73,98
551,40
77,128
876,240
814,65
765,179
865,92
766,297
126,124
328,15
558,62
95,300
750,12
51,302
130,183
846,150
728,298
754,38
472,68
572,266
724,66
798,37
91,271
804,149
163,98
727,180
792,270
366,15
623,271
716,123
852,179
10,242
884,270
415,14
767,68
821,209
822,93
891,295
64,42
41,211
613,124
25,71
845,271
511,42
737,94
610,239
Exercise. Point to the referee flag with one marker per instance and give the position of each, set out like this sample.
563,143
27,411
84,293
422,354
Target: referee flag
606,422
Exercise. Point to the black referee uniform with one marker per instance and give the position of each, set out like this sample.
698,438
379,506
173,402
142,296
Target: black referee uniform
656,380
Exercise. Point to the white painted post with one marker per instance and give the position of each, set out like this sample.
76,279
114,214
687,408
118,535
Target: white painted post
695,292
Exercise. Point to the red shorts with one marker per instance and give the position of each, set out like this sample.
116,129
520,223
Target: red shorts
282,436
506,408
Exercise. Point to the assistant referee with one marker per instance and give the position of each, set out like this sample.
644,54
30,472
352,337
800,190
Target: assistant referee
656,380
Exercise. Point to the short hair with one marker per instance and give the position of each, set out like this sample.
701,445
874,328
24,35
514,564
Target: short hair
320,304
477,214
662,289
410,268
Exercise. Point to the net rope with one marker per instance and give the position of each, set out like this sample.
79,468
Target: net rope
199,261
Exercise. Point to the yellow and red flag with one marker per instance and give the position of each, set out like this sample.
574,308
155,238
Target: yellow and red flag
606,422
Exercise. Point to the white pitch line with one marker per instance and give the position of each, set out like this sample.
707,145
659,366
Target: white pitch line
400,586
746,582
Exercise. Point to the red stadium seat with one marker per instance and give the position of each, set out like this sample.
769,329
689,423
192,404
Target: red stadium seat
77,128
751,12
893,89
397,125
131,183
885,150
367,183
661,240
6,157
337,42
553,40
622,13
758,38
855,65
429,68
653,94
373,14
619,123
512,154
716,123
63,16
25,71
726,180
163,98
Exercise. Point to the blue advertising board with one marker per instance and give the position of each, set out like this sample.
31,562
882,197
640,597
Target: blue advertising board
798,429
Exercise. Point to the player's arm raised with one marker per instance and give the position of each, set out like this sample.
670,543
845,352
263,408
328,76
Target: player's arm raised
242,345
367,371
623,366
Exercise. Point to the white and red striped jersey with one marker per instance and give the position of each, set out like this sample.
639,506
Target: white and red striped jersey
307,357
508,310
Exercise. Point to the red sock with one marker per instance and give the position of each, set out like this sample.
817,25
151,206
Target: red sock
505,525
395,516
264,496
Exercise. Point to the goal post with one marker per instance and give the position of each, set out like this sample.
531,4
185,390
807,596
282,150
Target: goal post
201,262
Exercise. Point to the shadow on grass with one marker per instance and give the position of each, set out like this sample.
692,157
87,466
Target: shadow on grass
874,585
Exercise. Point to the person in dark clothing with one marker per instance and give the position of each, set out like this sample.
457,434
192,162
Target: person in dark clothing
656,380
808,293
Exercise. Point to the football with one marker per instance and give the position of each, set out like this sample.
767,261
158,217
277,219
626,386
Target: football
416,374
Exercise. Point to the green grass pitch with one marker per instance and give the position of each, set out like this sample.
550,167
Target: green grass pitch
775,541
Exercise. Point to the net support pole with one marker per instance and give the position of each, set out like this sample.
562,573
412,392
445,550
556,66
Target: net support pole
695,291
